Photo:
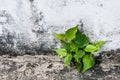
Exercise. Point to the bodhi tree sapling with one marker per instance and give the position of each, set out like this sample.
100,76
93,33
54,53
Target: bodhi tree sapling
77,48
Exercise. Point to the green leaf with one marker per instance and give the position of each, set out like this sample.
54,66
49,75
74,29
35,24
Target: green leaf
79,54
61,52
66,45
90,48
77,48
98,44
81,40
73,47
88,62
79,66
70,34
60,36
68,59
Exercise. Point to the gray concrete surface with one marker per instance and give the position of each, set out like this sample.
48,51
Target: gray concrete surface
51,67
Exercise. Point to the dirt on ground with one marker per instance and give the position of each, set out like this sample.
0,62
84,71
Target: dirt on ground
51,67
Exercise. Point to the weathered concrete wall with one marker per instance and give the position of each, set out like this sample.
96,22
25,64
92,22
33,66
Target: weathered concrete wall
26,26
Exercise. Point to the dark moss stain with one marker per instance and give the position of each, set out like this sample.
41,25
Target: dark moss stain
9,66
81,25
31,1
33,65
39,24
101,5
7,46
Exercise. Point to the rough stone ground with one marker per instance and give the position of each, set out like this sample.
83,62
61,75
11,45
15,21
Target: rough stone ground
51,67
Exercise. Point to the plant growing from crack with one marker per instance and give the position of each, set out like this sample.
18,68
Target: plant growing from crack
77,48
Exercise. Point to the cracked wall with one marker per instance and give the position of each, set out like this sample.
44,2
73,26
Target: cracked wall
26,26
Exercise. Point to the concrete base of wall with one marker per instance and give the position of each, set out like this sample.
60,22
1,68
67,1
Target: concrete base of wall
51,67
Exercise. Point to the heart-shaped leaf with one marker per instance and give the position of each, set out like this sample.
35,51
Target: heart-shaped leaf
81,39
61,52
68,59
70,34
60,36
88,62
98,44
90,48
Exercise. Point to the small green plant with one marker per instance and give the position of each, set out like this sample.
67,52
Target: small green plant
77,48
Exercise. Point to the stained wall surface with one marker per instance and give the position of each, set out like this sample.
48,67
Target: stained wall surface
26,26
